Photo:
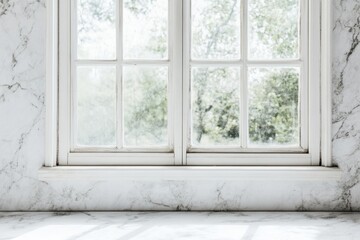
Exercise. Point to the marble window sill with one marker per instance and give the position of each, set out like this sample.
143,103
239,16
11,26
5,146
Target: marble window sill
188,173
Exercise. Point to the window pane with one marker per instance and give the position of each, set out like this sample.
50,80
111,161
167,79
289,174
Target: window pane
215,106
273,106
96,106
145,29
145,106
215,29
96,29
274,29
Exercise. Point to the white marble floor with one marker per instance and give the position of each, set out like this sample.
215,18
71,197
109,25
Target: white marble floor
176,225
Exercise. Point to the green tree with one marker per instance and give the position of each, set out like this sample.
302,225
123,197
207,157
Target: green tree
273,107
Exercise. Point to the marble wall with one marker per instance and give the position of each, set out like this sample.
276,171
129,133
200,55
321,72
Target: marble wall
22,128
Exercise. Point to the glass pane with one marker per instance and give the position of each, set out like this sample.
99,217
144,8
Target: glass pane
215,106
145,106
96,29
215,29
145,29
274,29
273,106
96,106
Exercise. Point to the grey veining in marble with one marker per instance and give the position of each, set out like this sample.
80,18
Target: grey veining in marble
22,129
176,226
346,103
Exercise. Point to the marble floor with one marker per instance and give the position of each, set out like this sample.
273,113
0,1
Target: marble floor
176,225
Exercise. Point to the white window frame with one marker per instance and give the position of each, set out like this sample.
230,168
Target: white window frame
58,150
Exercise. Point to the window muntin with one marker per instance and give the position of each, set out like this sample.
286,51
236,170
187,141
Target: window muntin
239,60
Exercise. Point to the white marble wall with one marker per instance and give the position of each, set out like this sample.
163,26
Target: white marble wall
346,99
22,84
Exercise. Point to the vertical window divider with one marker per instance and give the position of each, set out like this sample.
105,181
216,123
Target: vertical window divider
73,72
304,75
244,76
314,76
170,81
186,78
64,92
176,78
119,75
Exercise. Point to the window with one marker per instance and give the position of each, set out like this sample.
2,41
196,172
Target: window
189,82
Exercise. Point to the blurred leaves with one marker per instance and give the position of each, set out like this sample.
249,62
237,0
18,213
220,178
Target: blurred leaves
273,106
145,106
274,29
215,29
96,29
215,94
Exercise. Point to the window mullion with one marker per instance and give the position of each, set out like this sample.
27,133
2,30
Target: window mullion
119,77
304,76
314,78
186,79
176,57
64,93
244,77
73,82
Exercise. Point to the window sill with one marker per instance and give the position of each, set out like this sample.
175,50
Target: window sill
189,173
